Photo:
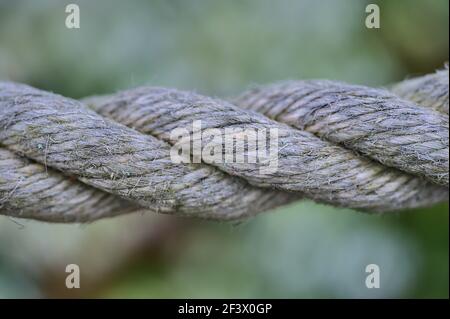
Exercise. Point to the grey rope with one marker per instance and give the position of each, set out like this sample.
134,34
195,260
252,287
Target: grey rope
373,122
349,146
430,90
28,190
64,135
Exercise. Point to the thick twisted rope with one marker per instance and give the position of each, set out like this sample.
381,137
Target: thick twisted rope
345,145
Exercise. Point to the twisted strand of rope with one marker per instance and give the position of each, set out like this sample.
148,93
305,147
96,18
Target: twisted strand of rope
352,146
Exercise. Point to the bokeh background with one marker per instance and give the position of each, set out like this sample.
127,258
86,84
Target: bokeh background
220,48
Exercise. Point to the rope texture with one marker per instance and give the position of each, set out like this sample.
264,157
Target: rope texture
369,149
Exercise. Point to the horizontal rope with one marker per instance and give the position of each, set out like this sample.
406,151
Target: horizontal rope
430,90
345,145
64,135
372,122
29,190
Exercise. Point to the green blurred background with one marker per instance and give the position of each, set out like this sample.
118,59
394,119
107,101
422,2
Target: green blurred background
220,48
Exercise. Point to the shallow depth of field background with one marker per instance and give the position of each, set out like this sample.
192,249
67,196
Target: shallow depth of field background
220,48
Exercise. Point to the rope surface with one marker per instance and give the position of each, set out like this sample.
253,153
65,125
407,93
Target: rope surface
352,146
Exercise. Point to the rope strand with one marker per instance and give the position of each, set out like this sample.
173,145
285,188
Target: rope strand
340,144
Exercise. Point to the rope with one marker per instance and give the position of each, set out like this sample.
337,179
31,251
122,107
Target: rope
63,160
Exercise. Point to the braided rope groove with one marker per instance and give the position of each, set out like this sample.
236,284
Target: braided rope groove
63,134
30,190
63,160
373,122
319,169
430,90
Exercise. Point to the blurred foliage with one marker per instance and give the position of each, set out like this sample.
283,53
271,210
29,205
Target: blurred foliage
220,48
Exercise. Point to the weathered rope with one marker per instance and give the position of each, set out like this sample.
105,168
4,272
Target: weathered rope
430,90
319,169
374,122
63,134
345,145
28,190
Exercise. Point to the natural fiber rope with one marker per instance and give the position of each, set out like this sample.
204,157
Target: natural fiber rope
373,122
430,90
63,134
341,144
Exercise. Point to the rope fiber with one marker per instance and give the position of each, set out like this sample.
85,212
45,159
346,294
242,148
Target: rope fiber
370,149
